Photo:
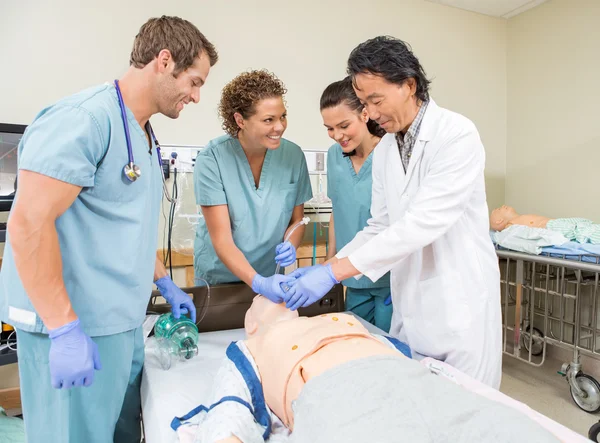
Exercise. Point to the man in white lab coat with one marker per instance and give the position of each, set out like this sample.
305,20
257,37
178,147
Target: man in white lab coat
429,221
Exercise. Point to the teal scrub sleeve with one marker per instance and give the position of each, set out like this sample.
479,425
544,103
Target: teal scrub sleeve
304,186
65,143
208,183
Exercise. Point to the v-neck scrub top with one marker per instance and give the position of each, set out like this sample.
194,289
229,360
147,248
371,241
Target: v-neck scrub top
259,216
350,195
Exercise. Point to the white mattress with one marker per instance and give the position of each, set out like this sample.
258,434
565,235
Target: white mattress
173,393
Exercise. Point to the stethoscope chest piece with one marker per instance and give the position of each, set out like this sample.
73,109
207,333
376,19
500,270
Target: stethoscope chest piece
132,172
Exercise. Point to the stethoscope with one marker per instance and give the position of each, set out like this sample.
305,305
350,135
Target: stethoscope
132,171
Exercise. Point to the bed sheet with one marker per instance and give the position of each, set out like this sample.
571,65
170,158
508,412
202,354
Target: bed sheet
561,432
574,251
569,250
173,393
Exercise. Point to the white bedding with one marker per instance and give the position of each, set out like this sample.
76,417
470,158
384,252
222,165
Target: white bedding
167,394
561,432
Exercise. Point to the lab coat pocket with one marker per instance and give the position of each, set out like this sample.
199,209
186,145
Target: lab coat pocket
444,307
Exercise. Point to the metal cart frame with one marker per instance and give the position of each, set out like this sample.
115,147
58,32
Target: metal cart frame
551,293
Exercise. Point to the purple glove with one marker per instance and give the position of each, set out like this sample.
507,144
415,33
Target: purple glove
297,273
180,302
286,254
270,287
73,357
310,287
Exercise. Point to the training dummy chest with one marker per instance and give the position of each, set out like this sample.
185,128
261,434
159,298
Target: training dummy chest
288,349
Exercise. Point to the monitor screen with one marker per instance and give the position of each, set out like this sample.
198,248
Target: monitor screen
10,135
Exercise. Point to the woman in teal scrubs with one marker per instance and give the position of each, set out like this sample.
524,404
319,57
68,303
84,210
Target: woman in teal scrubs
251,185
349,185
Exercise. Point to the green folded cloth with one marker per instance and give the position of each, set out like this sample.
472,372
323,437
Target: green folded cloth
12,429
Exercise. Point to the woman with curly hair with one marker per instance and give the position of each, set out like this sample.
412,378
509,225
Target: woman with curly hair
251,185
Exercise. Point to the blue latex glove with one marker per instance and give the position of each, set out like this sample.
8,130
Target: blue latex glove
388,300
73,357
286,254
297,273
310,287
180,302
270,287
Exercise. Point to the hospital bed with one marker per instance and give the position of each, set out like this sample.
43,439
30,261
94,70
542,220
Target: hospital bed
173,393
552,299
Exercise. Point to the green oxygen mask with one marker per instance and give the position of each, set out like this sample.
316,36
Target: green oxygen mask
177,338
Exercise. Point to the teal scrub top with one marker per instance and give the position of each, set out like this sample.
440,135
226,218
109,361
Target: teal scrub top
350,195
108,236
259,217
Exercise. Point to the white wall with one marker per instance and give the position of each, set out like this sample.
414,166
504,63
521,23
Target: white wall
54,48
553,151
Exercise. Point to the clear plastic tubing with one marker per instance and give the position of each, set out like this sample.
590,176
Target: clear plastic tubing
304,221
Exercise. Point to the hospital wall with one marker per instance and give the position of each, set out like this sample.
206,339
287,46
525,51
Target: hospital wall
553,150
57,48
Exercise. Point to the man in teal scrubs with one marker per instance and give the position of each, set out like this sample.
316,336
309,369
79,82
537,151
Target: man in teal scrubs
80,254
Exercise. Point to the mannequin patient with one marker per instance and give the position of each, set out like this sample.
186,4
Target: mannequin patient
580,230
326,378
505,216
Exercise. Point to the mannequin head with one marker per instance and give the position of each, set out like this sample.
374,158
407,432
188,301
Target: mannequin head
263,312
501,217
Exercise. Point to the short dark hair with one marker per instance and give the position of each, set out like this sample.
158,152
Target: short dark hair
342,92
180,37
392,59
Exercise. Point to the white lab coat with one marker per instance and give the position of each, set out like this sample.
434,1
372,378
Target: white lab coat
430,228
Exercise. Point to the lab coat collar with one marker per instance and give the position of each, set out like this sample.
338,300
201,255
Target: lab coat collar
428,124
425,135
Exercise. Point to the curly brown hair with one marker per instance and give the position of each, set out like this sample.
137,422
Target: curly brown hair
243,92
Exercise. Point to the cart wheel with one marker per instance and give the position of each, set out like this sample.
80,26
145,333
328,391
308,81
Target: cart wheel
538,341
594,431
589,385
